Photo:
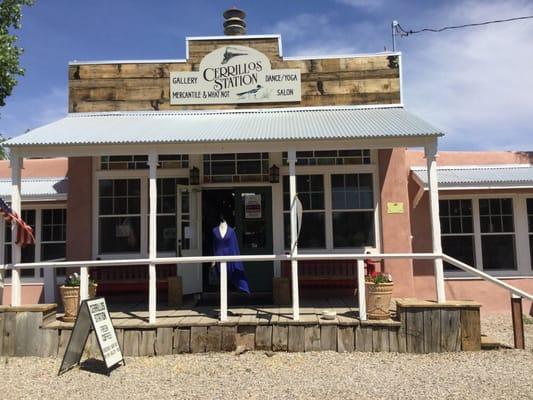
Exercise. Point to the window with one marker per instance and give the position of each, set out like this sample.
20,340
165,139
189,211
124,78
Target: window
166,213
530,224
27,252
119,216
124,162
352,204
236,167
166,161
497,233
457,228
53,234
310,189
49,229
331,157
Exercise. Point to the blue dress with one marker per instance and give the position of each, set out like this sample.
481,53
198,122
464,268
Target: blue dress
228,246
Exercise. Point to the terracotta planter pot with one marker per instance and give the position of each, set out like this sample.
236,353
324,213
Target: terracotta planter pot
378,298
70,296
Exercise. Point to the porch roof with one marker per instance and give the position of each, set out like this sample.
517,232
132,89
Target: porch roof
38,189
278,124
479,177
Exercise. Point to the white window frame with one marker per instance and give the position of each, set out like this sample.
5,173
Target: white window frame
142,175
327,171
277,201
38,207
523,262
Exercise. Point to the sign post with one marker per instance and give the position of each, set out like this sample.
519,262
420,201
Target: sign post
93,314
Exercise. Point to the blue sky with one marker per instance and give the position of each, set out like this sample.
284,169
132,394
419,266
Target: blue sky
473,83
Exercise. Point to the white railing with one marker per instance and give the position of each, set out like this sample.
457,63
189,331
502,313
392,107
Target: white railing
467,268
84,278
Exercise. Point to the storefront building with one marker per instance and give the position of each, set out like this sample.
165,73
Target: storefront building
220,132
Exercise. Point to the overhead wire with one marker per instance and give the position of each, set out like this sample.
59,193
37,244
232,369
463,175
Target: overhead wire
402,32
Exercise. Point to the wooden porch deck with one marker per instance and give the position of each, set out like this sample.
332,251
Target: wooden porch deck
135,315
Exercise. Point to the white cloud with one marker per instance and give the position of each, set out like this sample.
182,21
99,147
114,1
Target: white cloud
369,4
31,113
474,83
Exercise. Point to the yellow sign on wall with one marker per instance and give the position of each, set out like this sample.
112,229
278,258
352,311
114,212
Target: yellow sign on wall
395,207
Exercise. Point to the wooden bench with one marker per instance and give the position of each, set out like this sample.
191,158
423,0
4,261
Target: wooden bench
130,279
324,274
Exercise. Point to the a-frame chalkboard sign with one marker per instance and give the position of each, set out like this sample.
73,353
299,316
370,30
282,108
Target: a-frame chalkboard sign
92,314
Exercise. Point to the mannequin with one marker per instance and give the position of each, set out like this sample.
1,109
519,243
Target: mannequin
223,227
225,244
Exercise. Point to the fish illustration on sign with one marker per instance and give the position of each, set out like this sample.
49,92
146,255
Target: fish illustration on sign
228,55
251,91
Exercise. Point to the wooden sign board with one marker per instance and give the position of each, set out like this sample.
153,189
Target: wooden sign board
93,314
232,75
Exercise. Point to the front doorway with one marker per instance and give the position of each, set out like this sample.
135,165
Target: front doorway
249,211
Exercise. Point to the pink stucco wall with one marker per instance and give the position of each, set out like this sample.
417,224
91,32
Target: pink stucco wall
79,209
31,294
395,228
493,298
38,168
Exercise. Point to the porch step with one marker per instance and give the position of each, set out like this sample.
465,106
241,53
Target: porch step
488,343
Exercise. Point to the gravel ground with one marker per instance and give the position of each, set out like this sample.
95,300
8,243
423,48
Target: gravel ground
484,375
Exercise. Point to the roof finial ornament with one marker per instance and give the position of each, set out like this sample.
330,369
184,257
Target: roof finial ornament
234,22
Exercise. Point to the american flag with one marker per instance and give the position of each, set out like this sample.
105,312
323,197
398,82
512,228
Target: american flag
24,231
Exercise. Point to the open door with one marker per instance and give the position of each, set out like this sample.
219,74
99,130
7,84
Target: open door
188,237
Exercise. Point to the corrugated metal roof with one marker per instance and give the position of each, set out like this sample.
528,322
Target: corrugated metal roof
483,176
228,126
37,188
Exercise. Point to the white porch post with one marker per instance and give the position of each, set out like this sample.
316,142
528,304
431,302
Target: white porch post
431,157
223,291
361,289
84,283
152,244
16,166
291,158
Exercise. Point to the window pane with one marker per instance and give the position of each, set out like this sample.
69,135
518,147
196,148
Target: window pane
468,226
531,249
352,191
119,234
106,206
353,229
507,224
455,207
134,187
444,207
121,205
466,207
310,190
338,200
249,167
52,251
313,232
120,187
484,207
366,200
166,233
460,247
498,252
496,215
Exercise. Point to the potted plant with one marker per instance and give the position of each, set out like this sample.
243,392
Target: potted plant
378,294
70,295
